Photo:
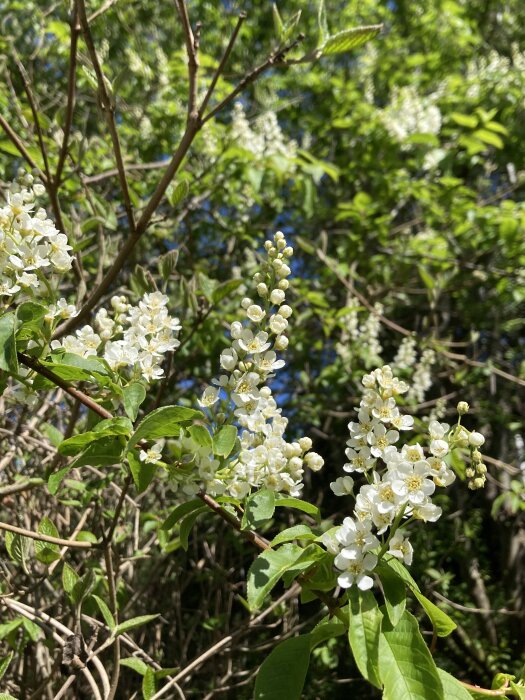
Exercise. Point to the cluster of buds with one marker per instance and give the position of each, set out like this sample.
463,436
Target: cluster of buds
476,473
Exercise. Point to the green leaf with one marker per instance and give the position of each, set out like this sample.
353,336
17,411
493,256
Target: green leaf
8,358
69,578
443,625
394,591
106,612
6,696
297,532
201,436
518,689
18,548
180,512
349,39
142,472
33,630
168,263
135,664
83,587
224,289
452,689
283,672
177,193
406,667
489,137
54,481
133,396
149,685
277,21
4,663
46,552
112,426
266,571
133,623
163,422
258,508
187,525
100,453
467,120
291,502
224,440
363,633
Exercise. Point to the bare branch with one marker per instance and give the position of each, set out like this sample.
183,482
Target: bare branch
107,105
46,538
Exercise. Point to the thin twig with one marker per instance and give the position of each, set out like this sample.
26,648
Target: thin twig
222,64
71,93
191,41
72,391
107,104
46,538
15,140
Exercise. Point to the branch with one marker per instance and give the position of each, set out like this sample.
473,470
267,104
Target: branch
107,105
12,136
193,126
222,64
71,93
274,59
192,46
46,538
72,391
34,111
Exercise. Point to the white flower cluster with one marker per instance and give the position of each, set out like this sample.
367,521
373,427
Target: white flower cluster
135,338
496,72
265,458
265,139
402,490
30,246
422,377
408,113
365,334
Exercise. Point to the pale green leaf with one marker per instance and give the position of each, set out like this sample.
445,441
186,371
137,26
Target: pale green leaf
224,440
349,39
133,623
406,667
452,689
258,508
363,633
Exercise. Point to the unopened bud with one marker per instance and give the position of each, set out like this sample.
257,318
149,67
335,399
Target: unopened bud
476,439
463,408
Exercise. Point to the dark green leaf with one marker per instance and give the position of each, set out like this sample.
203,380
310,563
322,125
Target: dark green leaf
142,472
283,673
8,358
133,623
180,512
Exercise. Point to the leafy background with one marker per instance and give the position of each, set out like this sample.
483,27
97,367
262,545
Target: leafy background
441,248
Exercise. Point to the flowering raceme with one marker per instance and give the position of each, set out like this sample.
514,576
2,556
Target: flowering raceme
135,338
30,246
240,395
402,490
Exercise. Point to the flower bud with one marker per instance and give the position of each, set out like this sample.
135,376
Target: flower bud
262,290
463,408
476,439
479,483
283,284
314,461
305,443
281,342
255,313
285,311
246,302
277,296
